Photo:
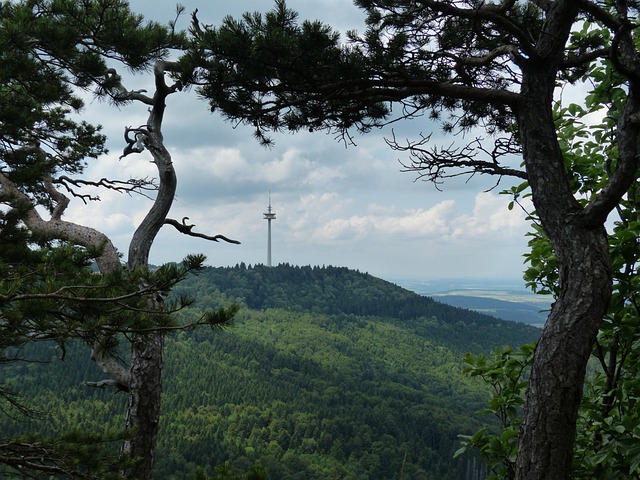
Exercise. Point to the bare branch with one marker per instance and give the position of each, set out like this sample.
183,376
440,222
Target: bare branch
434,164
577,60
600,13
136,143
133,185
510,50
187,230
113,87
106,383
493,15
119,373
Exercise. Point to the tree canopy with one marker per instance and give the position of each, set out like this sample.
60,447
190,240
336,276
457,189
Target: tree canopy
495,68
492,67
303,383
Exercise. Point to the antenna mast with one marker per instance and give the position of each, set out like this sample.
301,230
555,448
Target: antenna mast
268,216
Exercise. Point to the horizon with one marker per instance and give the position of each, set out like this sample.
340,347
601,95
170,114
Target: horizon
340,205
436,284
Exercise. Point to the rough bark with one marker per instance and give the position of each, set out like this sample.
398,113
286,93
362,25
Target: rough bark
555,388
143,412
145,386
580,244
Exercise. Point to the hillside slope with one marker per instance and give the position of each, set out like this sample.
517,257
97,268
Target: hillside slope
326,373
339,290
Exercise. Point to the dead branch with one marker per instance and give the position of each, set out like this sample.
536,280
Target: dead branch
187,230
133,185
135,144
119,373
434,164
114,88
107,383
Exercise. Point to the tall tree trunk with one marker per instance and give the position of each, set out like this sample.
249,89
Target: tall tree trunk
145,385
555,388
143,412
580,244
553,398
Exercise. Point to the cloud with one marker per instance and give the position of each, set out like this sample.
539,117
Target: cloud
212,163
334,205
490,217
313,211
324,220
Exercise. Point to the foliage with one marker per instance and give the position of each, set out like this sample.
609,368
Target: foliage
339,291
73,455
53,52
272,46
48,48
308,392
607,434
607,429
276,73
506,373
475,66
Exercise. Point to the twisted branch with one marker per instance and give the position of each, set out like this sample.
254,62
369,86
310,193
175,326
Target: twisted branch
187,230
433,164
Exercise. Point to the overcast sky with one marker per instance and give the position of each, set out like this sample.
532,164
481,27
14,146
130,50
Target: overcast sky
337,206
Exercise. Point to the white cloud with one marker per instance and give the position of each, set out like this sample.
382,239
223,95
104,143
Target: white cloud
335,205
228,164
326,219
490,217
313,210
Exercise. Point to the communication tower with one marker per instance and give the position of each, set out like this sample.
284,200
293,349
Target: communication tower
268,216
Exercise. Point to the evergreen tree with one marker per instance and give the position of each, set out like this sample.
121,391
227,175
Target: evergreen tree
50,51
493,66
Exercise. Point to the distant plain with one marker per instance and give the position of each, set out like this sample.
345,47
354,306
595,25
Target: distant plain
505,299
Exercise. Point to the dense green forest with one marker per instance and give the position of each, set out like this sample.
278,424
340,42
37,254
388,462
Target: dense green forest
326,373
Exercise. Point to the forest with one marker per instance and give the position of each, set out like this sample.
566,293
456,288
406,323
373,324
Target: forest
324,373
543,95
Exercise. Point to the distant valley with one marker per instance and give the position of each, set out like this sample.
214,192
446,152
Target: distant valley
507,300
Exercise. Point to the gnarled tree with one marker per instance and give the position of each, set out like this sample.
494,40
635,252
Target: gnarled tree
145,371
49,50
495,66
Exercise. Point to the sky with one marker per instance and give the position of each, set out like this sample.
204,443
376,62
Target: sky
335,205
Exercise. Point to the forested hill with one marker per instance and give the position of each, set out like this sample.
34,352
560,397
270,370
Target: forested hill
327,373
341,291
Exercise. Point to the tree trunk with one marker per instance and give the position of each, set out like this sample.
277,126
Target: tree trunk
143,412
145,386
548,431
580,244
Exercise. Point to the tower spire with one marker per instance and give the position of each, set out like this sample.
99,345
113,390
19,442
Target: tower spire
268,216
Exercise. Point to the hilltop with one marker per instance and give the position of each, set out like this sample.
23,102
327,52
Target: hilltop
341,291
326,373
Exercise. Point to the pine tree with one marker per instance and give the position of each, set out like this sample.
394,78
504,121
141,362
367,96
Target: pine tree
50,51
493,66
